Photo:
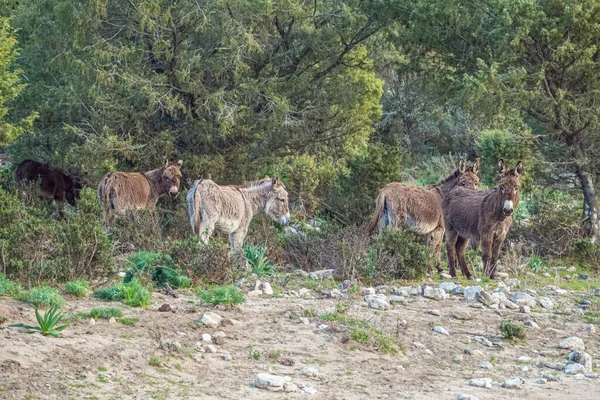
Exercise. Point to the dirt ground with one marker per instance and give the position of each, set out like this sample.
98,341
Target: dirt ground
113,361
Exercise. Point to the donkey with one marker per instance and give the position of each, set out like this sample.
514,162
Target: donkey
482,216
231,208
55,184
122,191
419,209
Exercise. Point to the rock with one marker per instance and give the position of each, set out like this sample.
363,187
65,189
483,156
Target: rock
447,286
92,321
255,293
397,299
476,304
434,293
345,285
461,315
484,298
288,362
273,383
483,341
377,301
501,275
166,307
309,372
485,364
524,309
309,390
523,359
531,292
512,282
471,291
266,288
583,277
551,378
112,320
210,349
368,291
418,345
523,299
574,369
585,302
458,290
482,383
541,380
444,275
289,387
210,319
572,343
597,292
437,313
499,296
589,329
322,274
174,344
513,383
561,292
532,324
463,396
593,375
546,303
227,357
303,292
581,357
334,294
206,338
441,330
567,277
571,269
510,304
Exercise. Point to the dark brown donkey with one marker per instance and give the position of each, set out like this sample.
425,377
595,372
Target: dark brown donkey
483,216
54,184
419,209
122,191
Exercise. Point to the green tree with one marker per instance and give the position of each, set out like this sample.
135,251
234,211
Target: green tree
10,84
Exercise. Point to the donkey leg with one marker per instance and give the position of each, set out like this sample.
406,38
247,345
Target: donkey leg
486,254
451,239
496,248
461,247
437,238
236,241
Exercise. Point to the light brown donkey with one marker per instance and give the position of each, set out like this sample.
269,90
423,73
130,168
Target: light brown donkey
483,216
231,208
122,191
419,209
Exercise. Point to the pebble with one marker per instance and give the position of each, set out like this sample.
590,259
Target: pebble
309,372
210,319
92,321
484,298
466,397
593,375
206,338
112,320
510,304
523,359
303,292
523,299
483,341
583,277
561,292
462,315
437,313
273,383
525,309
471,291
485,364
551,377
574,369
513,383
304,321
166,307
210,349
581,357
441,330
546,303
289,387
532,324
444,275
447,286
589,328
482,383
476,305
309,390
322,274
541,380
266,288
572,343
227,357
397,299
431,292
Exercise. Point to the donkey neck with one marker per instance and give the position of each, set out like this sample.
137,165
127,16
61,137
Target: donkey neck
495,203
154,177
256,198
448,184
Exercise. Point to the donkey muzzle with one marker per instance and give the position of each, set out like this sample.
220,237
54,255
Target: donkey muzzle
285,219
508,208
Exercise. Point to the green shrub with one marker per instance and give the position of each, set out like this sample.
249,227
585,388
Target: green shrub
45,296
78,288
7,287
133,293
587,254
106,312
47,325
228,295
129,321
258,260
159,266
209,263
512,331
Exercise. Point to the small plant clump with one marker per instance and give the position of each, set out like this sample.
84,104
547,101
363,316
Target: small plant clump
7,287
47,325
227,295
129,321
512,331
106,313
256,256
253,354
275,354
161,267
133,294
46,296
78,288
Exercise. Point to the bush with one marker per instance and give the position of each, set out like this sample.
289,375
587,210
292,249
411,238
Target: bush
106,313
78,288
210,263
587,254
7,287
161,267
45,296
258,260
133,294
228,295
38,247
512,331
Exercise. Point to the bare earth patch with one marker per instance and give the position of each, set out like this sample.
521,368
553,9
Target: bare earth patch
157,358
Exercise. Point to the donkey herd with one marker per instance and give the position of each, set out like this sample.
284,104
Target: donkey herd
454,206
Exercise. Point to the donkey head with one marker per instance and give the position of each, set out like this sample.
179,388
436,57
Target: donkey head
276,205
469,178
509,186
73,192
171,175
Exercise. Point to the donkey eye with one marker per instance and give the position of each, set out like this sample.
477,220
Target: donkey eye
502,189
282,200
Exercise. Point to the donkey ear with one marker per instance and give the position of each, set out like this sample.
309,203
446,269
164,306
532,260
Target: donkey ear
179,163
275,181
476,166
165,162
519,168
461,165
501,167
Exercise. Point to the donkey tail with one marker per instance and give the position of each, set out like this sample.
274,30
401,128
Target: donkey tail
104,191
193,211
377,215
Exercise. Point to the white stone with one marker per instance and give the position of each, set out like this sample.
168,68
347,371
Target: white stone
377,301
303,291
510,304
434,293
572,343
396,299
447,286
441,330
471,291
211,319
92,321
210,349
466,397
266,288
574,369
583,358
483,341
289,387
532,324
589,328
525,309
206,338
482,383
112,320
523,299
324,273
484,298
546,303
309,372
309,390
513,383
227,357
273,383
523,359
485,364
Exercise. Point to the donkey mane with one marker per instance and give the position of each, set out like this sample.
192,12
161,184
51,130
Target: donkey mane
457,173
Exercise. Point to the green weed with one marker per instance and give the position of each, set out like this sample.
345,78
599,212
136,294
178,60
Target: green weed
106,313
47,324
78,288
45,296
258,260
512,331
228,295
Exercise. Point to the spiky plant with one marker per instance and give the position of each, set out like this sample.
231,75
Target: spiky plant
47,324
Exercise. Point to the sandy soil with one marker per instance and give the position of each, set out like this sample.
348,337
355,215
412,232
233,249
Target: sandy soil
112,361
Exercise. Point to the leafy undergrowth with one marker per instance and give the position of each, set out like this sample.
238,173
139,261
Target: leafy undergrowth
78,288
105,313
44,296
7,287
511,331
227,295
133,294
362,332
